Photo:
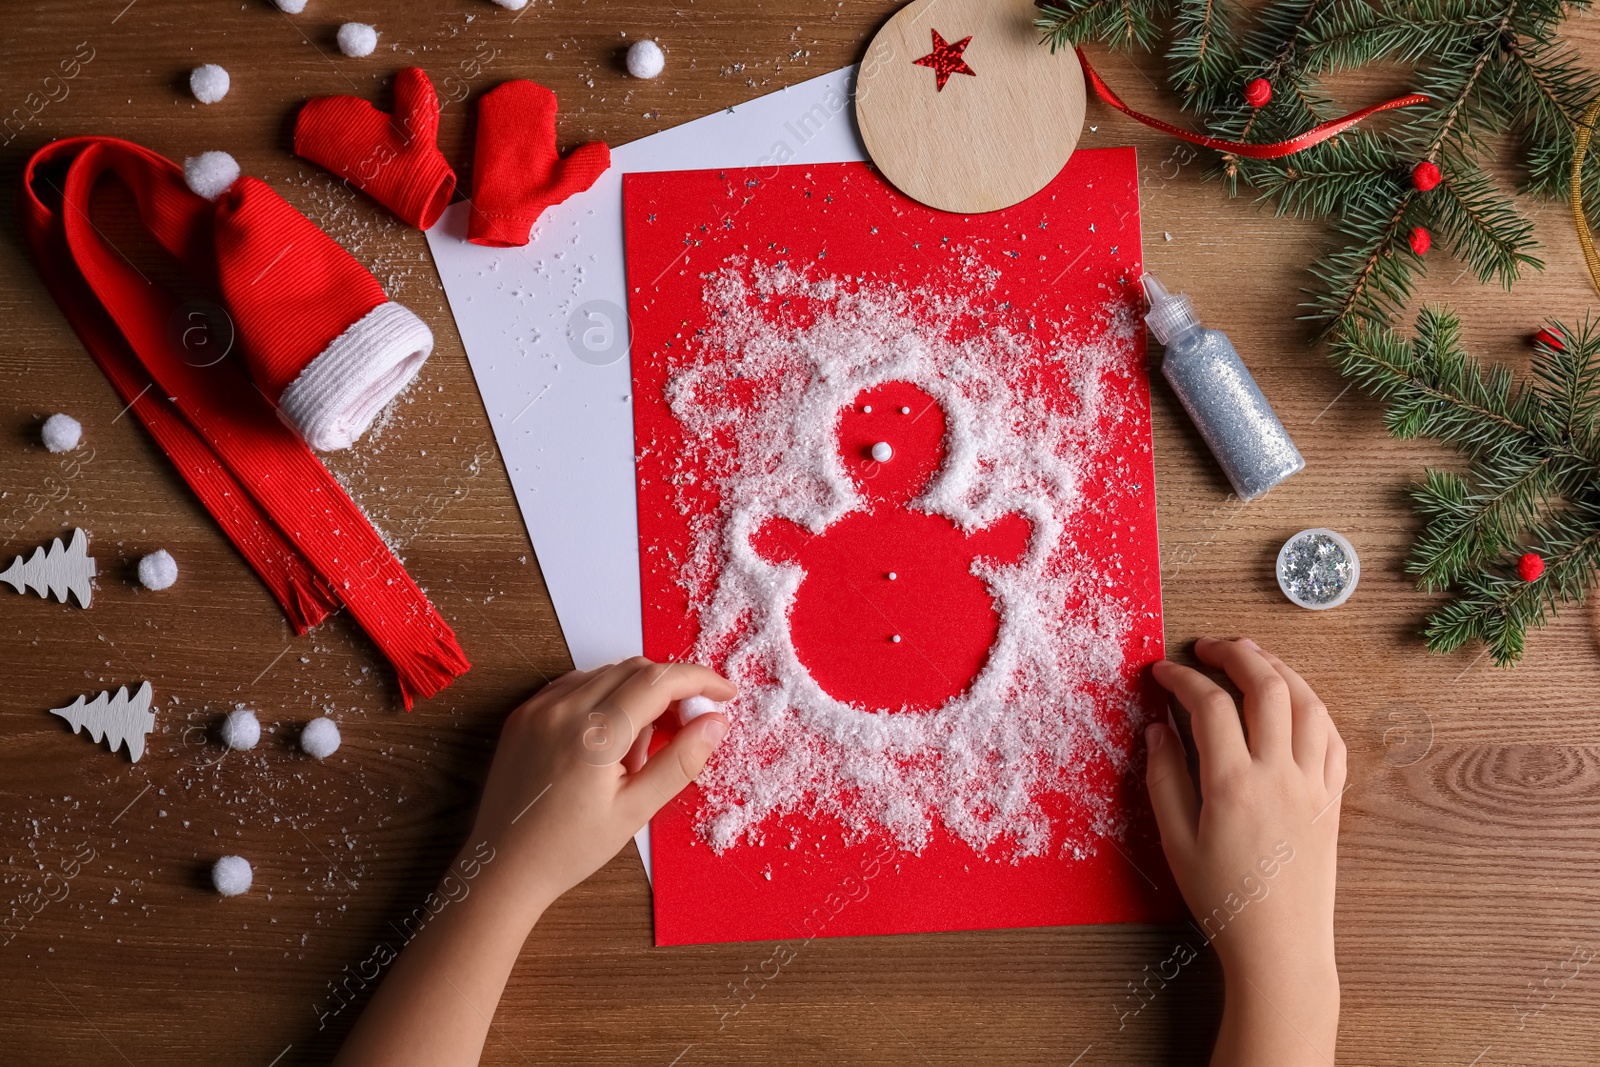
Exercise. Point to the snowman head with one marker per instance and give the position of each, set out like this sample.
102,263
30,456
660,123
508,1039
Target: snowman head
891,441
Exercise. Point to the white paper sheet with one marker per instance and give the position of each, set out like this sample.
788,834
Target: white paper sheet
545,331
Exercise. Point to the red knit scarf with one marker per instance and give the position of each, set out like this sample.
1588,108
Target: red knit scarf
307,540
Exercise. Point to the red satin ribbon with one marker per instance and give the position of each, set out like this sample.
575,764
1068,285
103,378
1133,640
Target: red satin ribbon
276,501
1315,135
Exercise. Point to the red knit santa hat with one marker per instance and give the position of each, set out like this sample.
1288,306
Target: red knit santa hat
322,340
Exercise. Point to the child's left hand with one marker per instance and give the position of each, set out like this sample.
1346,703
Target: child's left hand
570,783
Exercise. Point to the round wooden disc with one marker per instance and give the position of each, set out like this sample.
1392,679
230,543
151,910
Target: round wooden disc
986,140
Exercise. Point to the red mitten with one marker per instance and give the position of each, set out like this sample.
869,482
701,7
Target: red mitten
517,172
392,158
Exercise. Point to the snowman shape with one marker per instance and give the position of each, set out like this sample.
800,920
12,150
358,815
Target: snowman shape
889,614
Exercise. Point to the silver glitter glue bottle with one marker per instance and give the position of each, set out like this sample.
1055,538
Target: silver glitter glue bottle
1224,402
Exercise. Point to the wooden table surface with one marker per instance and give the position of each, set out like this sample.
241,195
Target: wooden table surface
1469,875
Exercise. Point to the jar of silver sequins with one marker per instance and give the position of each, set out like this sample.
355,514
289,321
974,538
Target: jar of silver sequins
1318,569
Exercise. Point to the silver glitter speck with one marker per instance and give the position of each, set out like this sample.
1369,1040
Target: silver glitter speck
1318,569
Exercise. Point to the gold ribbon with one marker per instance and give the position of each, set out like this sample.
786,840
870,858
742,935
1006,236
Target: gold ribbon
1580,150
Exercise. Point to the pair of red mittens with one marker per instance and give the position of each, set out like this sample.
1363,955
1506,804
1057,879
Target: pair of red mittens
395,159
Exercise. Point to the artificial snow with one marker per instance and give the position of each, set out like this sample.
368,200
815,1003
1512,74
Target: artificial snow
357,39
1052,711
61,433
241,729
290,7
209,83
646,60
512,5
158,570
231,875
210,174
320,738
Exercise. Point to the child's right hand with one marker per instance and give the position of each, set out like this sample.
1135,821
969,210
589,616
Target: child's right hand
570,784
1254,853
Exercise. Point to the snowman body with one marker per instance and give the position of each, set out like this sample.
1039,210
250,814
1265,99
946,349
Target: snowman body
888,615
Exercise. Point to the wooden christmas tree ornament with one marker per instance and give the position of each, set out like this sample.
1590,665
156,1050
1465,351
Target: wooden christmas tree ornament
120,719
962,110
55,572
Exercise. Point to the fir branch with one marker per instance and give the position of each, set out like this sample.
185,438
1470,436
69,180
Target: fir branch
1463,92
1497,607
1541,83
1328,178
1367,281
1479,410
1203,56
1364,281
1482,227
1357,34
1465,529
1567,380
1118,24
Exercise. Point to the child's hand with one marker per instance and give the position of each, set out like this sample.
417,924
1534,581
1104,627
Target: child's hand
1254,854
570,785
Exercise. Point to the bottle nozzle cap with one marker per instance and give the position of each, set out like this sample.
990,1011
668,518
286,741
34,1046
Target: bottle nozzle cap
1170,313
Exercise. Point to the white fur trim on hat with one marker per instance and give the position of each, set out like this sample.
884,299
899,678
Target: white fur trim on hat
341,391
210,174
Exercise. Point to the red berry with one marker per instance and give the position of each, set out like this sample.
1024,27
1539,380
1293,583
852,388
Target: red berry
1258,92
1530,566
1421,241
1549,339
1425,175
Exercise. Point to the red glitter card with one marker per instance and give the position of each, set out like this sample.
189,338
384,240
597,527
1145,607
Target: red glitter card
895,481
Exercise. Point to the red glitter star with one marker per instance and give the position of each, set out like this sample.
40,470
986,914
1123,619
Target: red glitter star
945,59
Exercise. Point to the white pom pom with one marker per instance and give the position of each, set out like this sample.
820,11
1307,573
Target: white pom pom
209,83
210,174
158,570
320,738
357,39
882,452
61,433
231,875
512,5
290,7
645,59
691,708
241,730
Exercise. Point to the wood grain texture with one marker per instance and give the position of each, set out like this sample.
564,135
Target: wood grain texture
1469,870
979,140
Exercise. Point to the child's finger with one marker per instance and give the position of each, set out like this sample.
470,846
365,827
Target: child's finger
677,764
1218,737
1171,789
1266,694
640,751
1310,715
605,681
553,691
1333,773
645,694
